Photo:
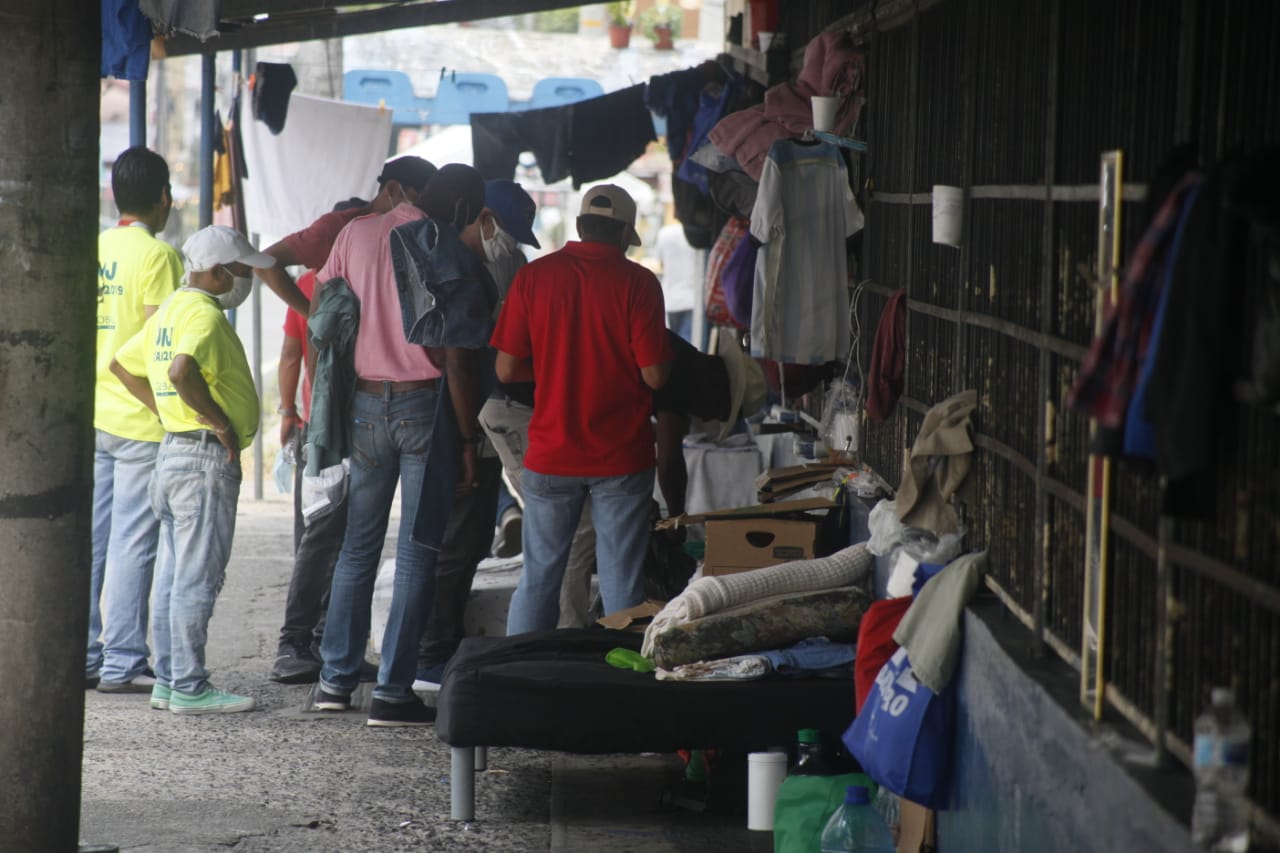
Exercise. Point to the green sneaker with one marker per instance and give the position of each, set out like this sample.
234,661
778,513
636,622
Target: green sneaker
160,697
210,701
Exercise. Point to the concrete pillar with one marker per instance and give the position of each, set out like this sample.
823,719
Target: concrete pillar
48,254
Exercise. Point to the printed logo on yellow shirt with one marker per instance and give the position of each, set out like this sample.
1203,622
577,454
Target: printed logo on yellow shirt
106,275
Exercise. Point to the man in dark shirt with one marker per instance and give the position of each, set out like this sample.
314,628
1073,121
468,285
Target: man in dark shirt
719,388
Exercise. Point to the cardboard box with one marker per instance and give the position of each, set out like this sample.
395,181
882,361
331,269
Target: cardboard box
633,618
741,544
767,510
917,828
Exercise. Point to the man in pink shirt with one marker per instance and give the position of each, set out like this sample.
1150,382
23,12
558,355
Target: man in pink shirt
315,544
392,422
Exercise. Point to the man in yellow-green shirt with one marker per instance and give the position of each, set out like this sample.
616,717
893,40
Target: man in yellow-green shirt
136,272
188,366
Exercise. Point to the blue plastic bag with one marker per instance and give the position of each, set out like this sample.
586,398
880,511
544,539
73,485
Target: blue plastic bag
903,736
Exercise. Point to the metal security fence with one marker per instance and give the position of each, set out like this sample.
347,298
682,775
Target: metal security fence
1015,102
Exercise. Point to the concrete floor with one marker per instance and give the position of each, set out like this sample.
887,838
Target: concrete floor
281,779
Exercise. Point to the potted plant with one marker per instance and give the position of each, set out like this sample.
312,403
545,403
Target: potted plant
662,25
619,15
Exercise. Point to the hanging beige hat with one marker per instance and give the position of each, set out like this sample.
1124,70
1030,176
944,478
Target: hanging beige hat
747,389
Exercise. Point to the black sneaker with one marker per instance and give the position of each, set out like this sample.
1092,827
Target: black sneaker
295,665
383,714
326,701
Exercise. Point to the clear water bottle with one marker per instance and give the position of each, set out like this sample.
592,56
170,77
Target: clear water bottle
856,827
1220,818
809,760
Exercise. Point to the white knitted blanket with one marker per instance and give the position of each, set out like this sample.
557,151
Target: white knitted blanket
712,594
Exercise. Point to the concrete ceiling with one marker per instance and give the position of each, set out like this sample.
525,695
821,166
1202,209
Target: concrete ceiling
255,23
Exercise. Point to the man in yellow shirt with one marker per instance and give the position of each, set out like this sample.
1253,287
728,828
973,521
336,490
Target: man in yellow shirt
188,366
136,272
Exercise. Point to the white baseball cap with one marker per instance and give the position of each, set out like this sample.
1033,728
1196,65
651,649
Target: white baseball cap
612,202
218,244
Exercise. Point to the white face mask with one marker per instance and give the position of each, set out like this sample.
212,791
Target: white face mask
238,293
500,245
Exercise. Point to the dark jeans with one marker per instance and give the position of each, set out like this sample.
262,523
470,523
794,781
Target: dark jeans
315,552
467,539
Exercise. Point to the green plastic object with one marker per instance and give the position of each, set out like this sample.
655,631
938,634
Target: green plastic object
805,804
627,659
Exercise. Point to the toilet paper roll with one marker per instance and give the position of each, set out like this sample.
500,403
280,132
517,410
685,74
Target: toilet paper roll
765,772
948,214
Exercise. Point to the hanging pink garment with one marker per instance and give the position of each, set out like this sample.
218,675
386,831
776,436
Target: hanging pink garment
832,66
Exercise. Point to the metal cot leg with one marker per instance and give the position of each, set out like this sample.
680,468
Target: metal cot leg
482,758
462,783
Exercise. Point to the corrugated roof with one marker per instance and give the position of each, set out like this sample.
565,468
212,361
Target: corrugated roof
255,23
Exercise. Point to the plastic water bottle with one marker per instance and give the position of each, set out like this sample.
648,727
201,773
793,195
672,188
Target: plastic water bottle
856,827
809,760
1219,818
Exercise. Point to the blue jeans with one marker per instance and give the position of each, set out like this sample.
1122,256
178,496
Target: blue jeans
552,508
124,554
390,437
681,322
194,492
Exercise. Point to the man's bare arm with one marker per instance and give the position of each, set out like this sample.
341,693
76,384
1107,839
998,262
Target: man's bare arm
288,373
511,369
463,369
656,375
184,373
277,278
138,386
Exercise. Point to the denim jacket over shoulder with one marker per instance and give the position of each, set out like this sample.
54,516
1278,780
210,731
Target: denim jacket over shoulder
446,300
331,334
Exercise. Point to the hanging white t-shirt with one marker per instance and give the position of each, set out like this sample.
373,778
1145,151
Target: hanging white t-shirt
804,210
679,268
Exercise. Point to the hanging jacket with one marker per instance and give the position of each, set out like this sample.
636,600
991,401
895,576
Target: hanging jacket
331,333
447,299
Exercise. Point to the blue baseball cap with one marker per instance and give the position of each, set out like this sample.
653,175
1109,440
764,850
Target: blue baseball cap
513,208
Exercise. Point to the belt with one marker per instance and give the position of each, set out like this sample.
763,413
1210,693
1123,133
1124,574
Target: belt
385,388
203,436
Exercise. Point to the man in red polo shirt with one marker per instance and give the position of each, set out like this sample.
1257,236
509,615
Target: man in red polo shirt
589,327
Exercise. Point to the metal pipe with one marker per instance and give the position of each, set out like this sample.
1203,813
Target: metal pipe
207,129
137,112
462,783
258,440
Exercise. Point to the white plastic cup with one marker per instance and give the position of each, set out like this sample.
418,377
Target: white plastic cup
766,39
765,772
948,214
824,111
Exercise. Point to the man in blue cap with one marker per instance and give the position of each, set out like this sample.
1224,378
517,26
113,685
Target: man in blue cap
505,222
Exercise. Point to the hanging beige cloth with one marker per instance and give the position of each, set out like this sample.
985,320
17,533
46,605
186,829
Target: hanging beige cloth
940,460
